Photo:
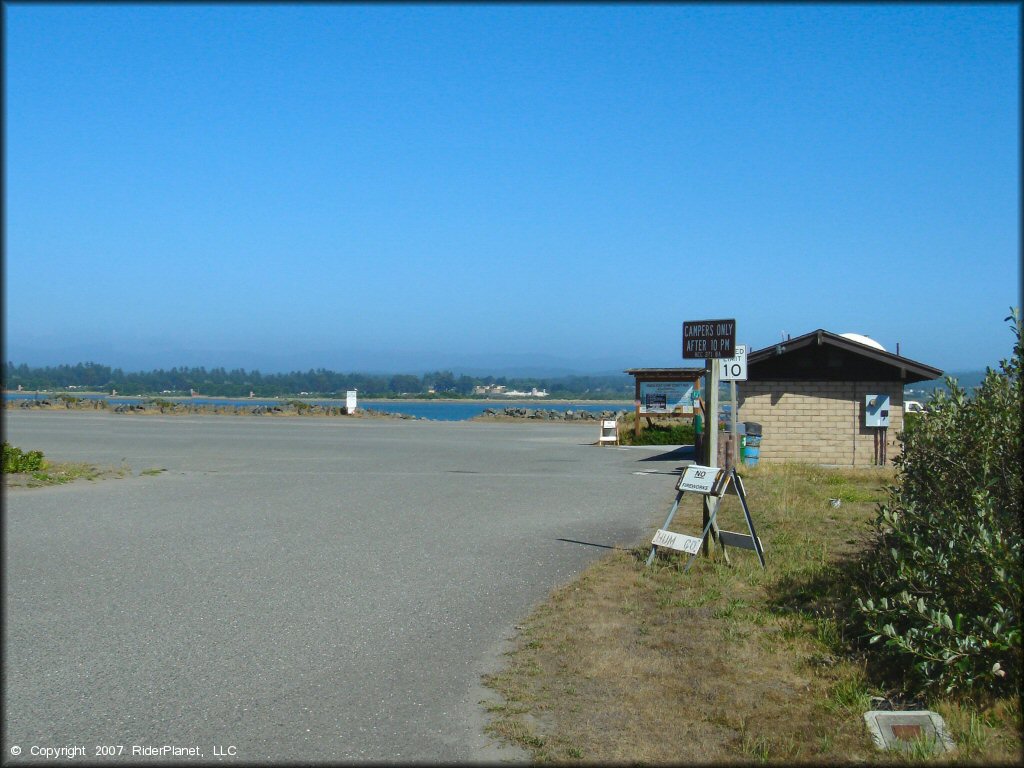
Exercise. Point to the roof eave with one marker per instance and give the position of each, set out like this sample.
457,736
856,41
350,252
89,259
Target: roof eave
821,336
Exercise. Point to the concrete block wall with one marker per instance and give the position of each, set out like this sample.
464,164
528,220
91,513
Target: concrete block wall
819,422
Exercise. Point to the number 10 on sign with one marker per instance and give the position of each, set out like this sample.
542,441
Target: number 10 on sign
734,368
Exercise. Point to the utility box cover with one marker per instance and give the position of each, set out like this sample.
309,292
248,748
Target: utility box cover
876,411
902,730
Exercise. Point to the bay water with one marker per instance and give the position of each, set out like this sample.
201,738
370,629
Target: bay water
446,410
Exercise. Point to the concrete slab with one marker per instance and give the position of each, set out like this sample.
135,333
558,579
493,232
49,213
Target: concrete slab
901,730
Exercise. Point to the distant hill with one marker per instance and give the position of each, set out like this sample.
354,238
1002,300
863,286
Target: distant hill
319,382
966,379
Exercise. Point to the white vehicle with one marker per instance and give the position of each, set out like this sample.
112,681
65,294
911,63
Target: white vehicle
912,406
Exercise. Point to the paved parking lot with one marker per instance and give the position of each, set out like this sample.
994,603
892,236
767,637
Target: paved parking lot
299,589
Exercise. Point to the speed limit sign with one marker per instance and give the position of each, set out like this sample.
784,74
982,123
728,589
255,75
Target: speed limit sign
734,368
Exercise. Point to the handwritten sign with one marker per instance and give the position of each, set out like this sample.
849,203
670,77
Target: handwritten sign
698,479
709,339
678,541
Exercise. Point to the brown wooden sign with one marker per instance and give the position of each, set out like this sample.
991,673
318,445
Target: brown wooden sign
709,339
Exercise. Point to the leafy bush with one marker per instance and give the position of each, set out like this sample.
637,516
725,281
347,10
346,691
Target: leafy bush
941,587
15,460
659,434
911,420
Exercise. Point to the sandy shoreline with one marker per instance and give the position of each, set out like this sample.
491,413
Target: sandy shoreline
535,402
561,410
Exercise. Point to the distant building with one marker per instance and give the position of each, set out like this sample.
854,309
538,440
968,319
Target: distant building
532,393
489,389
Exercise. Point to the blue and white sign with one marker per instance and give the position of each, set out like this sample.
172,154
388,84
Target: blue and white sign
665,397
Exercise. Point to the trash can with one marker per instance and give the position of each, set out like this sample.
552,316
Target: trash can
751,443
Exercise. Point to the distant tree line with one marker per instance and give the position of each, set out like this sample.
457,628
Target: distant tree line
319,382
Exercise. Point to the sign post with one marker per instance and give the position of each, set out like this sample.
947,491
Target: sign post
733,370
711,441
734,412
712,340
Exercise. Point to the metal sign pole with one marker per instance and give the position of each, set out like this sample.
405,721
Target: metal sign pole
735,430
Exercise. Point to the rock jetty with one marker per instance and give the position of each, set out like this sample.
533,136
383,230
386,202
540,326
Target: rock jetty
545,414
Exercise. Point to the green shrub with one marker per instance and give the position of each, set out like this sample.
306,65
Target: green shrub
15,460
659,434
911,420
940,595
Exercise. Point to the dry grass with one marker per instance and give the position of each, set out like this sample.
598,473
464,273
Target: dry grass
724,663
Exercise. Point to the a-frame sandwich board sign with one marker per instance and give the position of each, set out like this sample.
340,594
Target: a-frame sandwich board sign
750,541
696,479
713,482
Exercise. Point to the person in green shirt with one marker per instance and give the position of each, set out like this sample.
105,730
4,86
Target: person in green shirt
698,424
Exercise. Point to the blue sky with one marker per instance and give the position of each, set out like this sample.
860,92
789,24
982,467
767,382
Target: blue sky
412,187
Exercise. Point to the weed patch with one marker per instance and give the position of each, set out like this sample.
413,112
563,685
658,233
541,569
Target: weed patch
16,460
60,473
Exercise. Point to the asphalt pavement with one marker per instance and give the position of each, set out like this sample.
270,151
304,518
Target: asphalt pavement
295,589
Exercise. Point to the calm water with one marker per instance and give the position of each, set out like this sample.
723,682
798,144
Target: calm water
438,411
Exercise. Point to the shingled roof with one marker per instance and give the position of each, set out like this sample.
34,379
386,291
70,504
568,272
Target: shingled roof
823,355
